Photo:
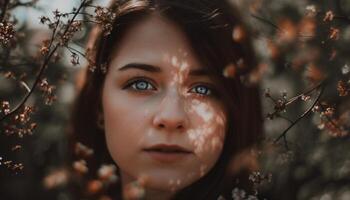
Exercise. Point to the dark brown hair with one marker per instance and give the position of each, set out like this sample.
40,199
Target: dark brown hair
208,25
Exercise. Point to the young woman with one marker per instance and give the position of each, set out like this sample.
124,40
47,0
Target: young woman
164,110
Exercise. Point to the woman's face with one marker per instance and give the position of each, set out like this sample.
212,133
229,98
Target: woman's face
164,122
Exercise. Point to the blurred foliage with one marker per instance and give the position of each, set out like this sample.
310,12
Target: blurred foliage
304,74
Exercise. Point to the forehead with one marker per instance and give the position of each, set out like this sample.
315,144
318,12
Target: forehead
155,40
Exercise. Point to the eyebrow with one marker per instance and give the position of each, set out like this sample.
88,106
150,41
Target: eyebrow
155,69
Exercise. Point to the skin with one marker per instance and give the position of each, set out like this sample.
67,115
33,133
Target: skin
169,105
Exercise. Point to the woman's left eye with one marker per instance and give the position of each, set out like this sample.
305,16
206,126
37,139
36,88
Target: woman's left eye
202,90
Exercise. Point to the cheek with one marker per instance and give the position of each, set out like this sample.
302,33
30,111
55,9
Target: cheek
208,135
119,125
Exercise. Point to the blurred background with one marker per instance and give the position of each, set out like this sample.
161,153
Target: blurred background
304,70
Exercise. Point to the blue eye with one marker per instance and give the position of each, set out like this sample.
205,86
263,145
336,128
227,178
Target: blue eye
202,90
140,84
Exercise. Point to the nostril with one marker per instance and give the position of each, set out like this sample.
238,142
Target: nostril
161,126
179,127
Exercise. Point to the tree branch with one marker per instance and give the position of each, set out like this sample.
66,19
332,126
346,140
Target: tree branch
283,135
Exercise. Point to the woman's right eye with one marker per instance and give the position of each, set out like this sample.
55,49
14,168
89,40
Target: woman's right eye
139,84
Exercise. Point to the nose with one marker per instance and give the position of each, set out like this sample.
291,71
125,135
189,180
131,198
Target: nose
171,115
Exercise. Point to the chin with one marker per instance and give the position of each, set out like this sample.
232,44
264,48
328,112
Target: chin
167,182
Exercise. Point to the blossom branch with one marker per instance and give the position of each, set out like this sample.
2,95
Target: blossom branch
45,63
284,134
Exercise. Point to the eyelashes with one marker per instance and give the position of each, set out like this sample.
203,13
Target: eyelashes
202,90
143,84
139,84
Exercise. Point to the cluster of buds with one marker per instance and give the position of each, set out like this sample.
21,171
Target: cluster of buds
23,126
280,104
258,178
20,131
105,18
9,164
240,194
343,88
7,33
330,121
24,117
334,128
48,91
68,34
44,49
106,174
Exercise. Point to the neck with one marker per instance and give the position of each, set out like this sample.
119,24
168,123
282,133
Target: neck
157,195
135,190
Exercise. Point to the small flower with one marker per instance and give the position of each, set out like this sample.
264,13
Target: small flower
134,190
74,59
311,10
56,14
230,71
80,166
329,16
343,88
16,147
82,150
329,112
44,49
334,33
5,107
238,34
44,19
94,186
104,67
305,97
238,194
345,69
107,173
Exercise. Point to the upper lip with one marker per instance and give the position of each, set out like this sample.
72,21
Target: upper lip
167,147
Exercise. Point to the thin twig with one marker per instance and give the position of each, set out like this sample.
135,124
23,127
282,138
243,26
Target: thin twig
285,118
293,99
302,116
266,22
72,50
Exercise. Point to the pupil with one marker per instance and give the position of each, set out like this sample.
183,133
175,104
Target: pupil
142,85
201,90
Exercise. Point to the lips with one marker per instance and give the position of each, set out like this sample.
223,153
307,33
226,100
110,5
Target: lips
168,153
167,148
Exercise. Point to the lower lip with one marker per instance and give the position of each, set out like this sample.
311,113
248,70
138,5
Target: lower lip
167,157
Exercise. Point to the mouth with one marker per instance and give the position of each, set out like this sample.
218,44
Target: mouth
167,148
167,153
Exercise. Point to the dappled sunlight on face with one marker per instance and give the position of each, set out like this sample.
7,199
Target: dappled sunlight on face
208,138
164,124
